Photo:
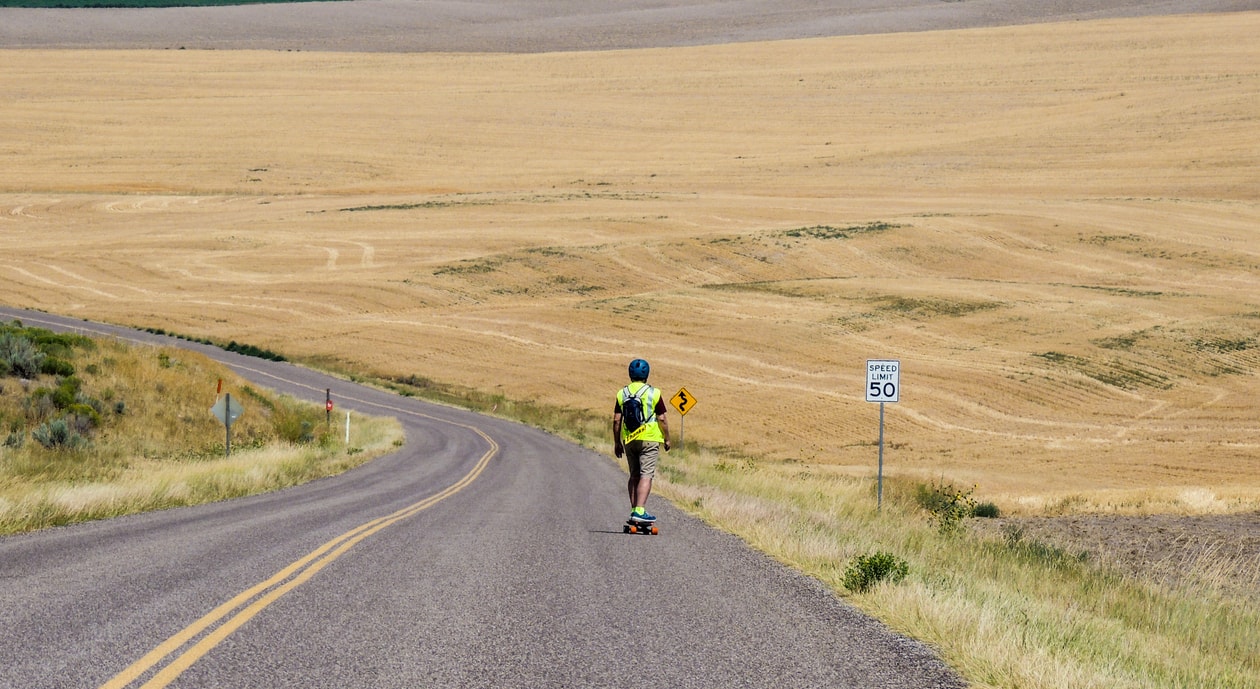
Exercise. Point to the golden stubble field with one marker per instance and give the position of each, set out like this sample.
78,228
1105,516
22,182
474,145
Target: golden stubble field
1055,229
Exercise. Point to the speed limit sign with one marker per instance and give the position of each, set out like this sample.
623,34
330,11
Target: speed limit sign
883,384
883,380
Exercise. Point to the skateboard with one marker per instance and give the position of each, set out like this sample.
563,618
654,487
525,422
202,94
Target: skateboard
637,527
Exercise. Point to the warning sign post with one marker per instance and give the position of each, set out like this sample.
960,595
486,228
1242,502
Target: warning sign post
683,401
227,410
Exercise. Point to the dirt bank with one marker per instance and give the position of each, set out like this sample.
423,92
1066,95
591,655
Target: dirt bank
1216,551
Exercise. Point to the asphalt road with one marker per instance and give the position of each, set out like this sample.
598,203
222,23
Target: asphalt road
540,25
484,553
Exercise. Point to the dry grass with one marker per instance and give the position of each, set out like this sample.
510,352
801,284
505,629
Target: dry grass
1005,610
1066,267
158,445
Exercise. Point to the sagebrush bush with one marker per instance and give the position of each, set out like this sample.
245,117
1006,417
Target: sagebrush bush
867,570
19,356
58,435
39,405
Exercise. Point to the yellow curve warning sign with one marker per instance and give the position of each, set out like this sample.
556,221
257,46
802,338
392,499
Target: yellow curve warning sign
683,401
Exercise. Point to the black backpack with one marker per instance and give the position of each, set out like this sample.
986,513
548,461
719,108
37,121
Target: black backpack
632,414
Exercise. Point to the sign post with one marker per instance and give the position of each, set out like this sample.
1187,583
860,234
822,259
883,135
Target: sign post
883,384
328,405
227,410
683,402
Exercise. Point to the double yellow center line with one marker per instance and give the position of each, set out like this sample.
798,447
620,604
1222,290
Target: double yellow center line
231,615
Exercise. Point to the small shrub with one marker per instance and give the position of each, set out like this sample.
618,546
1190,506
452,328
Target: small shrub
39,405
67,392
82,417
59,344
57,435
54,366
947,506
987,510
293,424
867,570
15,440
746,466
19,356
251,350
96,405
1040,552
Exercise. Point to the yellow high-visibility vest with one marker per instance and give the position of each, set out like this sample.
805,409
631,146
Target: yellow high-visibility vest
650,431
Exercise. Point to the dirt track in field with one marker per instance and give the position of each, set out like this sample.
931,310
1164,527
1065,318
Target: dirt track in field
1112,345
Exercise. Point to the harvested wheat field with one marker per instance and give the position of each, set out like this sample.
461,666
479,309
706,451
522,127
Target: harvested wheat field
1053,227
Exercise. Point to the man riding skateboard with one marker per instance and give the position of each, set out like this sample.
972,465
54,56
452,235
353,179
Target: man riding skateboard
639,430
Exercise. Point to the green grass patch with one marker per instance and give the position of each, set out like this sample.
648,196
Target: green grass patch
781,288
919,307
1124,291
419,205
1116,373
478,266
1225,345
831,232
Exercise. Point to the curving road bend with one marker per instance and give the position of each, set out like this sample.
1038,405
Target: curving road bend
483,553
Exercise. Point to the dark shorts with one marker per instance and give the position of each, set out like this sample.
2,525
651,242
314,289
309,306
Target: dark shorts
641,455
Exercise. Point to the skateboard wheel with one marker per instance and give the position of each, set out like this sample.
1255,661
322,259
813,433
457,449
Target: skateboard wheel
654,531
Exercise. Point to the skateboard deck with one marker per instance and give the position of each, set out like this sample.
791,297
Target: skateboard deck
638,527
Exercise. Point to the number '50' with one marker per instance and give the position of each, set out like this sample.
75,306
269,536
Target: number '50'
883,389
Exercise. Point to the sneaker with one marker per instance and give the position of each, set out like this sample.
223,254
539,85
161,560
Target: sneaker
643,518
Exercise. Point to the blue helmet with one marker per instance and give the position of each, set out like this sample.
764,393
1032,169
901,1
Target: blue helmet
639,369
